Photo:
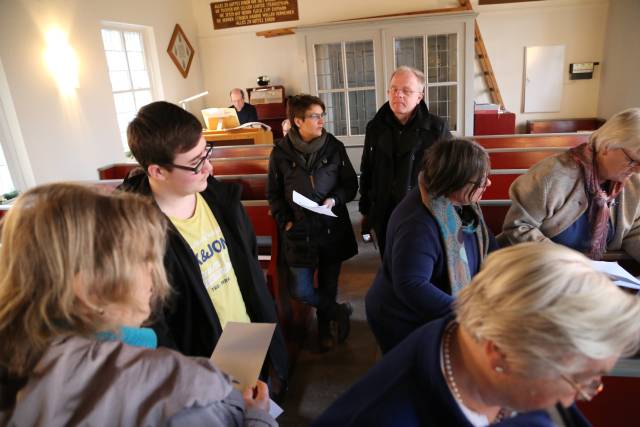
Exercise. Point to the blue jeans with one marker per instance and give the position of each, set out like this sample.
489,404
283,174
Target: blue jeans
323,298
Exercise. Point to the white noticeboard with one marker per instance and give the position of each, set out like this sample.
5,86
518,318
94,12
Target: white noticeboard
543,80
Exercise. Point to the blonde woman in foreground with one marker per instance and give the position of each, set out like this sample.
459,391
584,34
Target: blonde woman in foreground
535,330
80,271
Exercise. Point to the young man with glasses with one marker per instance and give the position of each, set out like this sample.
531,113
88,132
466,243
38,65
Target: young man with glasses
394,144
211,257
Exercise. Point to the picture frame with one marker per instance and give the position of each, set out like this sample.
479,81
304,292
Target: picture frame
181,51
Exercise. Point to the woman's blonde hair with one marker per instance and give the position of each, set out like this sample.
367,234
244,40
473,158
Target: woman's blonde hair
546,307
620,131
59,237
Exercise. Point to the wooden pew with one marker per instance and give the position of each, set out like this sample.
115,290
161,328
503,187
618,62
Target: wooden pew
240,166
254,186
256,150
528,141
563,125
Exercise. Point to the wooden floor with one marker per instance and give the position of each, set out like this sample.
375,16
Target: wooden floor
319,378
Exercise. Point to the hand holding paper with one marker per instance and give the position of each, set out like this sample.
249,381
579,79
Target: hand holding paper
307,203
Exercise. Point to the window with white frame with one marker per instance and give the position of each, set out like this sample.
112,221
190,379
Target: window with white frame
6,183
438,60
345,75
129,74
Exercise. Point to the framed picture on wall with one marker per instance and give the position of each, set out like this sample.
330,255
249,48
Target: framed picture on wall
181,51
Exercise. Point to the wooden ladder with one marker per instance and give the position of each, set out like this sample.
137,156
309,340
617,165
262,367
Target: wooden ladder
487,70
485,63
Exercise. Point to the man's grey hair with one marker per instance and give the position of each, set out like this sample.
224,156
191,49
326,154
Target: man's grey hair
417,73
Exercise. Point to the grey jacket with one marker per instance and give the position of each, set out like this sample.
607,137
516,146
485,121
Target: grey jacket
91,383
551,196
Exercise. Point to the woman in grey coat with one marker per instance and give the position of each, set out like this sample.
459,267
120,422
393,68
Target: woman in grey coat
80,271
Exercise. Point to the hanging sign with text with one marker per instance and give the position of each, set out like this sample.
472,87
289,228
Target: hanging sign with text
238,13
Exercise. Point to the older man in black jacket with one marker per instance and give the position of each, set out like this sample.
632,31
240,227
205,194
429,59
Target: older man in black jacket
394,144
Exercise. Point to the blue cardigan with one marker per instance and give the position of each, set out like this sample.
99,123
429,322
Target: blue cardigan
412,285
407,388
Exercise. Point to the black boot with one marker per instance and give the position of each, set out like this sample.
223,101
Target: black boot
325,338
343,314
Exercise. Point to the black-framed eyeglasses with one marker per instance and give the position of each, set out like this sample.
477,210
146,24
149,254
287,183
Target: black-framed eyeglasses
585,392
208,152
630,162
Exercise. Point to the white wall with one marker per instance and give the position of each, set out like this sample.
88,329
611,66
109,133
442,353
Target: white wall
580,25
68,138
247,56
620,87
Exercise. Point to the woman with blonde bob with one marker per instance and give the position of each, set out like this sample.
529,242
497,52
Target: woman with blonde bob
587,198
535,330
80,271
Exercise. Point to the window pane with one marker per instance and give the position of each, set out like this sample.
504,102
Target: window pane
410,52
329,66
124,103
140,79
120,80
442,58
362,108
116,61
123,121
6,183
111,40
360,68
136,61
336,120
132,41
143,97
443,103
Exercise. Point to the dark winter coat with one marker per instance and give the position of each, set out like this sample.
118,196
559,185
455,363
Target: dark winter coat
392,158
330,175
190,323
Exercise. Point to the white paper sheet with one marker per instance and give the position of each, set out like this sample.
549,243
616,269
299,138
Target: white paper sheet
617,274
307,203
241,350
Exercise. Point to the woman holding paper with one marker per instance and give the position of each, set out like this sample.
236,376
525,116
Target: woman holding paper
587,198
80,271
436,242
313,163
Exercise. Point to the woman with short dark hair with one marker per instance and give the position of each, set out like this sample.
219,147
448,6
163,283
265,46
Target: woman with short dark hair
314,163
436,241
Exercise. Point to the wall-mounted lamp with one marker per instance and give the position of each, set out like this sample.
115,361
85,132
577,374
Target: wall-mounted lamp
61,60
582,70
183,102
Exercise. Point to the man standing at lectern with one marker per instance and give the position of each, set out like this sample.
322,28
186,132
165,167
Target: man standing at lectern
394,144
246,112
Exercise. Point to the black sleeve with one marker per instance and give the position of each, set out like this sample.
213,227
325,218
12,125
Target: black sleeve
280,209
253,114
348,183
365,173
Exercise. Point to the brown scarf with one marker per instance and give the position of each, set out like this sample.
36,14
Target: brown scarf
599,199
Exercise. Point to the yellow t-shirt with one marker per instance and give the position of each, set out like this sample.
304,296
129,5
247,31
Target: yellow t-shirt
204,235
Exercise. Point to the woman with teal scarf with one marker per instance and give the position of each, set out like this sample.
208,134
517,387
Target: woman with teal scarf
436,241
80,272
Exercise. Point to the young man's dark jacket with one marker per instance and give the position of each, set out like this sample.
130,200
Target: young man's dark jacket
391,160
190,324
329,174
